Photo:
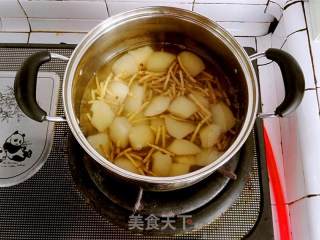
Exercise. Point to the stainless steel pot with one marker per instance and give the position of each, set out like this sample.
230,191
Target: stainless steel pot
153,25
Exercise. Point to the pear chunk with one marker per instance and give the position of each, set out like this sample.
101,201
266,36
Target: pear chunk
102,115
179,169
135,99
161,164
99,141
191,62
160,61
207,156
119,90
223,116
158,105
126,65
182,107
141,54
119,131
140,119
157,122
178,129
210,135
201,99
125,164
140,136
185,159
183,147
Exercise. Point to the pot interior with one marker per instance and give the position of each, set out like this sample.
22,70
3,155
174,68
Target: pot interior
166,27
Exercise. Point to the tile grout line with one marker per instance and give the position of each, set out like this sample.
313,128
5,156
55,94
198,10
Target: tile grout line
311,56
256,42
301,198
298,200
291,34
107,8
25,13
287,6
317,95
284,42
277,4
290,4
267,5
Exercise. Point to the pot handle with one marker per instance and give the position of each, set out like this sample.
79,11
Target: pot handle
293,80
25,85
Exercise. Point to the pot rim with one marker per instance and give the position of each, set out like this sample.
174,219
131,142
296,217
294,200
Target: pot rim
209,25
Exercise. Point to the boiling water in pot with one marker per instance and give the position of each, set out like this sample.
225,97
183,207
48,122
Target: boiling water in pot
159,110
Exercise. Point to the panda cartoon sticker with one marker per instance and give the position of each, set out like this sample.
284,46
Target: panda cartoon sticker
15,147
3,155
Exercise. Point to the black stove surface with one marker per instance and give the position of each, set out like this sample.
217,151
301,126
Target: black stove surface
50,206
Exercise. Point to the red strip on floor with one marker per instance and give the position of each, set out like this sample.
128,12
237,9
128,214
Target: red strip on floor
274,178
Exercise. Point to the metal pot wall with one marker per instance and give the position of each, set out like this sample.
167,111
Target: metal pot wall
151,25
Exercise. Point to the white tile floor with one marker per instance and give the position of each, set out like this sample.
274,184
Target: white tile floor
65,9
14,24
315,46
294,18
264,43
56,38
236,12
279,36
300,145
115,7
11,8
274,9
300,220
67,25
301,53
6,37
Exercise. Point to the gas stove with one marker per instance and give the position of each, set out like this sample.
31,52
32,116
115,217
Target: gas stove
72,197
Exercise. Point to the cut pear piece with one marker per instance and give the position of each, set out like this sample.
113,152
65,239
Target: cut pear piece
140,119
99,142
157,122
179,169
126,65
178,129
185,159
201,99
102,115
125,164
135,99
191,62
141,54
183,147
158,105
160,61
182,107
119,90
223,116
209,135
161,164
140,136
207,156
119,131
